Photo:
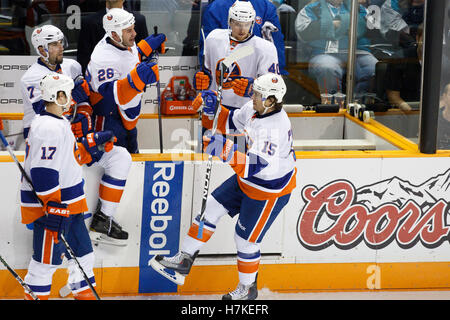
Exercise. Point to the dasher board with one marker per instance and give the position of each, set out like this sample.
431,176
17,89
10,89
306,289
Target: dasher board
334,144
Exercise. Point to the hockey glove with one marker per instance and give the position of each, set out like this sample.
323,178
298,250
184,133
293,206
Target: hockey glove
202,80
208,99
56,218
98,142
219,146
155,42
82,124
243,86
80,92
145,73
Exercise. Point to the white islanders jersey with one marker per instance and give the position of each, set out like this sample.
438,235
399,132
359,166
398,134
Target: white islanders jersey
268,169
53,163
109,64
218,46
30,84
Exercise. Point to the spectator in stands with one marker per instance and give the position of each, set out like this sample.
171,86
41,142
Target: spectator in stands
403,75
267,26
413,14
400,20
92,31
386,27
324,25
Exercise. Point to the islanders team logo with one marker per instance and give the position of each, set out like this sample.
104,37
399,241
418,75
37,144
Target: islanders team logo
258,20
109,17
389,211
229,75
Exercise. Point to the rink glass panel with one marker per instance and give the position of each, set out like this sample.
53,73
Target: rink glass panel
443,128
180,21
393,35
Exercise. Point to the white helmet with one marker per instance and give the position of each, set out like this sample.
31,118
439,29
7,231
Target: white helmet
270,84
44,35
53,83
116,20
242,11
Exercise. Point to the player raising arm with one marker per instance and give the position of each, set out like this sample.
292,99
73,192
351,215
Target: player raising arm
118,74
261,186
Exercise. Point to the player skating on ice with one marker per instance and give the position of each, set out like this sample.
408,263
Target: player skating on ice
53,163
261,186
48,42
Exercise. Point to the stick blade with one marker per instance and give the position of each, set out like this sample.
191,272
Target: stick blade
238,54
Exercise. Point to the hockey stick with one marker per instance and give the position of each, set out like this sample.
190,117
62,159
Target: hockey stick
19,279
226,63
69,249
14,134
158,92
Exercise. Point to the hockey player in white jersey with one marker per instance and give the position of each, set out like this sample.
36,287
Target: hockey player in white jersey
118,73
53,162
261,186
221,42
48,42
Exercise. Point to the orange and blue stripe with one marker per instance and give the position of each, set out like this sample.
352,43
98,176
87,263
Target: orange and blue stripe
207,231
248,263
111,189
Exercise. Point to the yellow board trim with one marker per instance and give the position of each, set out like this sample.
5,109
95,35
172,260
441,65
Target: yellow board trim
276,277
408,148
299,154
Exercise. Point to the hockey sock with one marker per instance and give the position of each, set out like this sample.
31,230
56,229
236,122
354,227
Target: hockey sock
110,193
39,279
192,242
213,212
77,283
248,260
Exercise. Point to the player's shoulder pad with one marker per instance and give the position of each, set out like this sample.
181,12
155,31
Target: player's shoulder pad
34,74
263,44
102,57
48,127
72,67
247,109
218,34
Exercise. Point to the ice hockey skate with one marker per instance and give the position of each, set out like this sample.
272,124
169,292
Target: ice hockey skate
242,292
174,268
104,230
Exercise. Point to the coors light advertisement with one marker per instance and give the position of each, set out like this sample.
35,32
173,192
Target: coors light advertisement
393,210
